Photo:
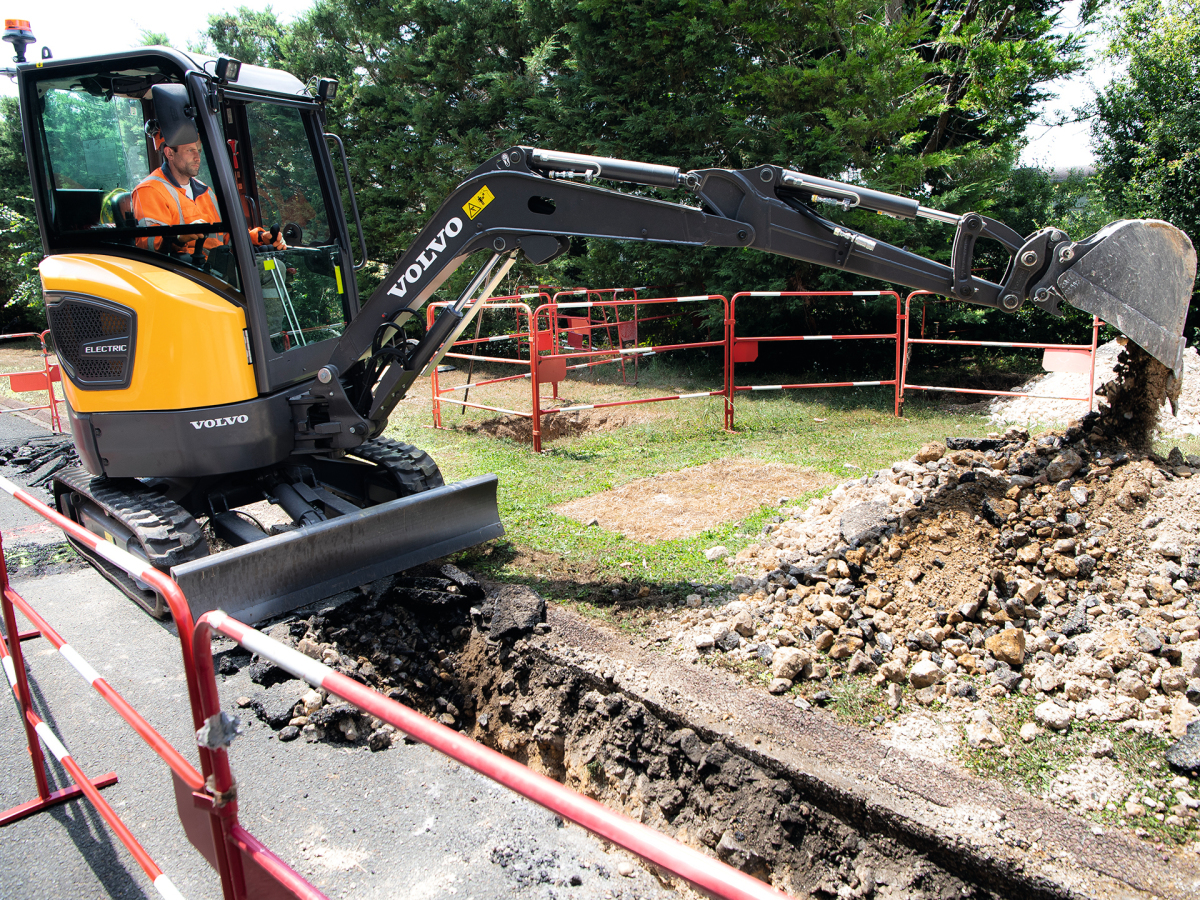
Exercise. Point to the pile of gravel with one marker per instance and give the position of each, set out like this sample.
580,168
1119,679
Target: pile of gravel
1063,568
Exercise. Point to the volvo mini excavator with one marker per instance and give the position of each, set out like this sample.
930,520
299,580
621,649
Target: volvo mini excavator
202,383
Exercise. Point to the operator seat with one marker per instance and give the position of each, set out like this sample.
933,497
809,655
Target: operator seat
116,211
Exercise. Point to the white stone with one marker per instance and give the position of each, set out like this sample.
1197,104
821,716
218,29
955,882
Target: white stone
925,673
1051,715
1189,658
715,553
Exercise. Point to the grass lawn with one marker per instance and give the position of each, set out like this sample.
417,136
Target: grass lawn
846,432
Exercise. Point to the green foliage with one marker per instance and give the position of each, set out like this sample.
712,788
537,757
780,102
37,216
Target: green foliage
20,253
20,243
924,102
254,36
1148,125
150,38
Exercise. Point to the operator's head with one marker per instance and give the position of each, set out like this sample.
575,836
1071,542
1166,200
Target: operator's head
184,160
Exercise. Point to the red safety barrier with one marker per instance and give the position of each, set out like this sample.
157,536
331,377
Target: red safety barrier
206,800
207,804
37,380
1077,358
546,346
525,343
703,872
745,349
553,366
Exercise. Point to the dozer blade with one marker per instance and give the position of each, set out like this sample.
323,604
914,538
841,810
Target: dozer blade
1137,276
269,577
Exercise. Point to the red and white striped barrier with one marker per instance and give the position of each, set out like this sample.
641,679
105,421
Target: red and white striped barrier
541,349
209,814
745,349
1069,357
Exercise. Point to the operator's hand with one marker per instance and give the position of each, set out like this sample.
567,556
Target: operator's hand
260,237
180,242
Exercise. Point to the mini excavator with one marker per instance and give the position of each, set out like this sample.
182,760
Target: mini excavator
202,383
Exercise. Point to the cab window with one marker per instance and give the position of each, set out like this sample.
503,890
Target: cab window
95,151
304,289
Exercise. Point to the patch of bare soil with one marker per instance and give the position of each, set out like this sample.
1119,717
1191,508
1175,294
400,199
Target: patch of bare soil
681,504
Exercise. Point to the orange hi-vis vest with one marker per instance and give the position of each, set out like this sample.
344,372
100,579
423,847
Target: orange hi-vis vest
159,201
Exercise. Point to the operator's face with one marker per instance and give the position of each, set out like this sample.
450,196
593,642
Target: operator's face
185,159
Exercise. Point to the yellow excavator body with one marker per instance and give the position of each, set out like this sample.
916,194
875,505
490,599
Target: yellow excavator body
190,349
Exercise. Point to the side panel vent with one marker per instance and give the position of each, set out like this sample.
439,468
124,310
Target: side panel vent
94,339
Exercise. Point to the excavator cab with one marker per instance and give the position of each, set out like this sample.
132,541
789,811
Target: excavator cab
265,159
188,359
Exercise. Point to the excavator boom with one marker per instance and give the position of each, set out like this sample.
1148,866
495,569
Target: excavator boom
1137,275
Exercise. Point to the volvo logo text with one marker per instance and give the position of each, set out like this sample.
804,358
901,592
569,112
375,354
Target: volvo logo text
220,423
414,272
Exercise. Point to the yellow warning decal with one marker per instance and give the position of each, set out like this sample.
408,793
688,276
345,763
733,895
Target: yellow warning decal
337,271
476,204
268,264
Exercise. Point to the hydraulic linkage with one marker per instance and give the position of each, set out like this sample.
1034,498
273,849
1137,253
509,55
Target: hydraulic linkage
533,201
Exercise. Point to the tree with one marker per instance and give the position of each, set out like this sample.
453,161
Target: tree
921,101
254,36
1148,120
151,38
20,243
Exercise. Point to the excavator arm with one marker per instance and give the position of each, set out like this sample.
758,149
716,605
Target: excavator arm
1136,275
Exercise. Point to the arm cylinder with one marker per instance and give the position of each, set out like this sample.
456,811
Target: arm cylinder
605,167
902,207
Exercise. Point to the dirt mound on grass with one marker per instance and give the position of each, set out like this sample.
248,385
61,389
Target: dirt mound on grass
558,425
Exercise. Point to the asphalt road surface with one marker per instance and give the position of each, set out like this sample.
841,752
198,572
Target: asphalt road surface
401,823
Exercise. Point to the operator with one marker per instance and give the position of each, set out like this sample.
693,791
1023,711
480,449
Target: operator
173,195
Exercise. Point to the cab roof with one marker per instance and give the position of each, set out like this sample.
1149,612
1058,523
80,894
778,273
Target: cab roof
251,78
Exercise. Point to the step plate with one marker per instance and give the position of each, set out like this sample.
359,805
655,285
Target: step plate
280,573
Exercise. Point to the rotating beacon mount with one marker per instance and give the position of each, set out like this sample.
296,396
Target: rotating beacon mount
18,33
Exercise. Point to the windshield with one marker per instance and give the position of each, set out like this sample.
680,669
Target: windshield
304,293
98,157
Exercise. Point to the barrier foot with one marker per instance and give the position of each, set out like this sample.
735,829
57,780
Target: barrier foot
28,635
36,806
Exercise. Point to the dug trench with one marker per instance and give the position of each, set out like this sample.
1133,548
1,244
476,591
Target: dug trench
814,805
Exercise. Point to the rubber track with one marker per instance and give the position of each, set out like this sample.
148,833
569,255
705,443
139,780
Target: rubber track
411,467
166,531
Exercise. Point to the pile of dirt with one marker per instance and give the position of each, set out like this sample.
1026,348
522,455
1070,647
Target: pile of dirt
555,425
1062,569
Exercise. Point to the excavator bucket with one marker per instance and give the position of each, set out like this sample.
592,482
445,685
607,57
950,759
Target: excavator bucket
1138,276
277,574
